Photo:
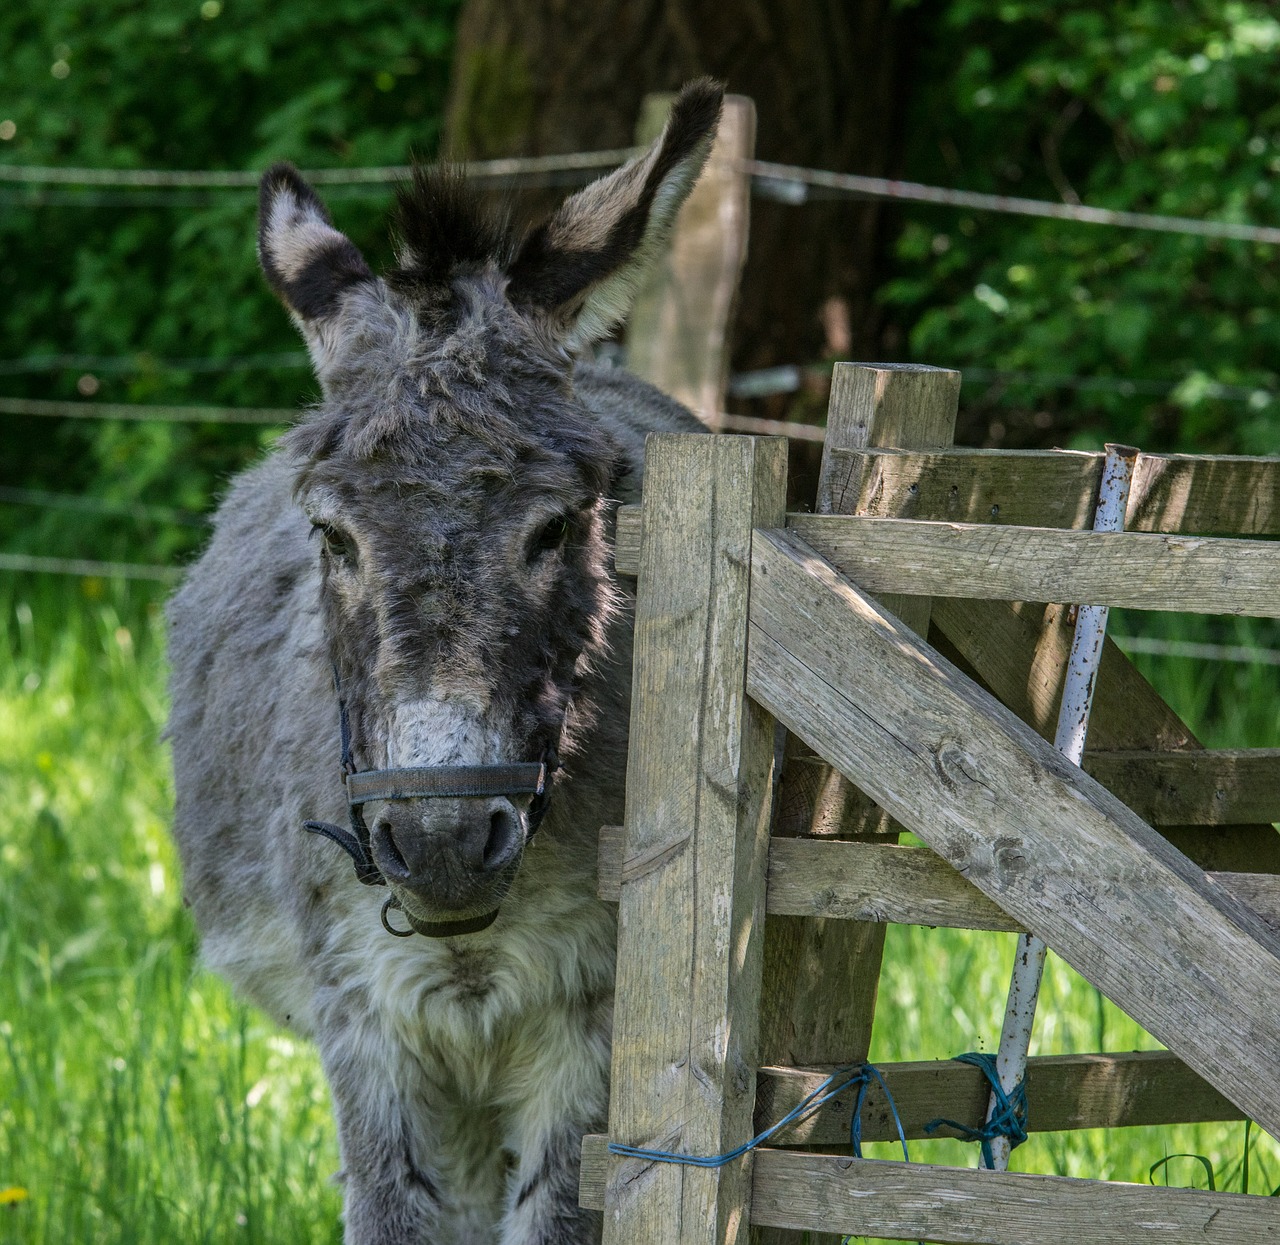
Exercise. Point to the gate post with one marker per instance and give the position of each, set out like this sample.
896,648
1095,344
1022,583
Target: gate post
691,915
904,406
680,323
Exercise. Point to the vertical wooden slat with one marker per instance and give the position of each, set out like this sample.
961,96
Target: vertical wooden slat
908,407
678,330
806,1016
691,913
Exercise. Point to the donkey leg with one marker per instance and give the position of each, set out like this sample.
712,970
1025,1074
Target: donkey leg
562,1092
393,1189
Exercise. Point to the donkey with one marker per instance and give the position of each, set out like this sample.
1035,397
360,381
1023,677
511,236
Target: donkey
406,634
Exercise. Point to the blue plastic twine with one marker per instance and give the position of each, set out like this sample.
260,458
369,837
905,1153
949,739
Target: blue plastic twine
842,1079
1008,1118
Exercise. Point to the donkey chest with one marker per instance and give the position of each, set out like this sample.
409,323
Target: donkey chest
460,993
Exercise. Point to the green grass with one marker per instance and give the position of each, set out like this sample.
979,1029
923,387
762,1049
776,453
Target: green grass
140,1103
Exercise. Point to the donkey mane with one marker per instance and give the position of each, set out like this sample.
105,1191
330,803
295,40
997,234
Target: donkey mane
446,227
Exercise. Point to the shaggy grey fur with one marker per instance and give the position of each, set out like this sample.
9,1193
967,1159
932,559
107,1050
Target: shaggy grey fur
436,531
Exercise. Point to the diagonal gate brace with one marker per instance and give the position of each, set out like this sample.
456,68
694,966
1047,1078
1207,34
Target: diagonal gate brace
1047,843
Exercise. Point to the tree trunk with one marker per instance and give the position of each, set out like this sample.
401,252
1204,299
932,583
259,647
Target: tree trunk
535,77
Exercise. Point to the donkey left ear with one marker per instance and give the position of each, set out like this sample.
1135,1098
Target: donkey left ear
584,264
306,261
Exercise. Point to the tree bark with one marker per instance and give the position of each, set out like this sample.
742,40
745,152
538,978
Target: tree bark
535,77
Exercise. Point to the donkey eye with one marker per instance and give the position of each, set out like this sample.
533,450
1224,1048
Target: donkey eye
552,536
336,545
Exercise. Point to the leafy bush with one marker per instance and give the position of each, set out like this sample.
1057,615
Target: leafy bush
178,84
1152,107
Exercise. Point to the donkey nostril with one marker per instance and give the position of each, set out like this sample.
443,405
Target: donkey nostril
504,838
390,850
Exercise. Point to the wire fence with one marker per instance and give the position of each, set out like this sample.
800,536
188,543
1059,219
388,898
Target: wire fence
1241,653
148,364
87,568
85,503
785,183
763,382
790,377
146,411
381,175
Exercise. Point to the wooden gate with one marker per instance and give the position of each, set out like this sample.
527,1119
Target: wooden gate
747,618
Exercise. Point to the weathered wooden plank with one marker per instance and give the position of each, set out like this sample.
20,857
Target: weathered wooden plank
1209,557
1135,570
915,886
1222,494
912,1201
691,914
1192,964
626,540
883,883
1018,650
803,1020
1206,788
1120,1090
1187,493
678,330
1035,488
955,1204
880,882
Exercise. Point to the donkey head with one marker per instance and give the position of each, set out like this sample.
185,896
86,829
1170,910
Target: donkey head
455,486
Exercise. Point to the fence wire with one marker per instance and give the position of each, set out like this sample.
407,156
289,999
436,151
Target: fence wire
235,179
787,183
139,411
87,568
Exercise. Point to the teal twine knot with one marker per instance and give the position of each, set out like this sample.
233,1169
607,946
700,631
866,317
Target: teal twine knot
843,1078
840,1080
1008,1116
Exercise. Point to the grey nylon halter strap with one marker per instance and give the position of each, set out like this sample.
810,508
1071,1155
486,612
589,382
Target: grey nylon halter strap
426,782
444,781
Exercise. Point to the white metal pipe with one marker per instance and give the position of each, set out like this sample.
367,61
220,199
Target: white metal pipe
1069,737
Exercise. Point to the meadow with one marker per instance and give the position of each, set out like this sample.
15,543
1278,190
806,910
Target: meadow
140,1103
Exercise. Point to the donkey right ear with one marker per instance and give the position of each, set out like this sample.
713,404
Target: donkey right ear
582,266
308,263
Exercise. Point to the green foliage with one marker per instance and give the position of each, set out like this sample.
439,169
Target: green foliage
179,84
1152,106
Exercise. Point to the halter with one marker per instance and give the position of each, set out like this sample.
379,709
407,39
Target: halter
427,782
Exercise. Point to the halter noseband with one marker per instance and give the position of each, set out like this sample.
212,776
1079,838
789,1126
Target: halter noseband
427,782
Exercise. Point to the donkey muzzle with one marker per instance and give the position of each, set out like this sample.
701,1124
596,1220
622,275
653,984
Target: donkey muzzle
450,854
460,857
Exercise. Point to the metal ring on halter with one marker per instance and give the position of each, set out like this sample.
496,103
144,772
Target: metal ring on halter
386,924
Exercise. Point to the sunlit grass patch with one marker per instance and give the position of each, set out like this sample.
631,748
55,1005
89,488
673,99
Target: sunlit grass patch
138,1101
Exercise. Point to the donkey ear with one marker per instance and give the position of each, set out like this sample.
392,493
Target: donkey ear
583,265
308,263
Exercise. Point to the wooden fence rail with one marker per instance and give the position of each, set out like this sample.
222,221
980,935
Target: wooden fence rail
1135,570
747,617
1200,493
910,1201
